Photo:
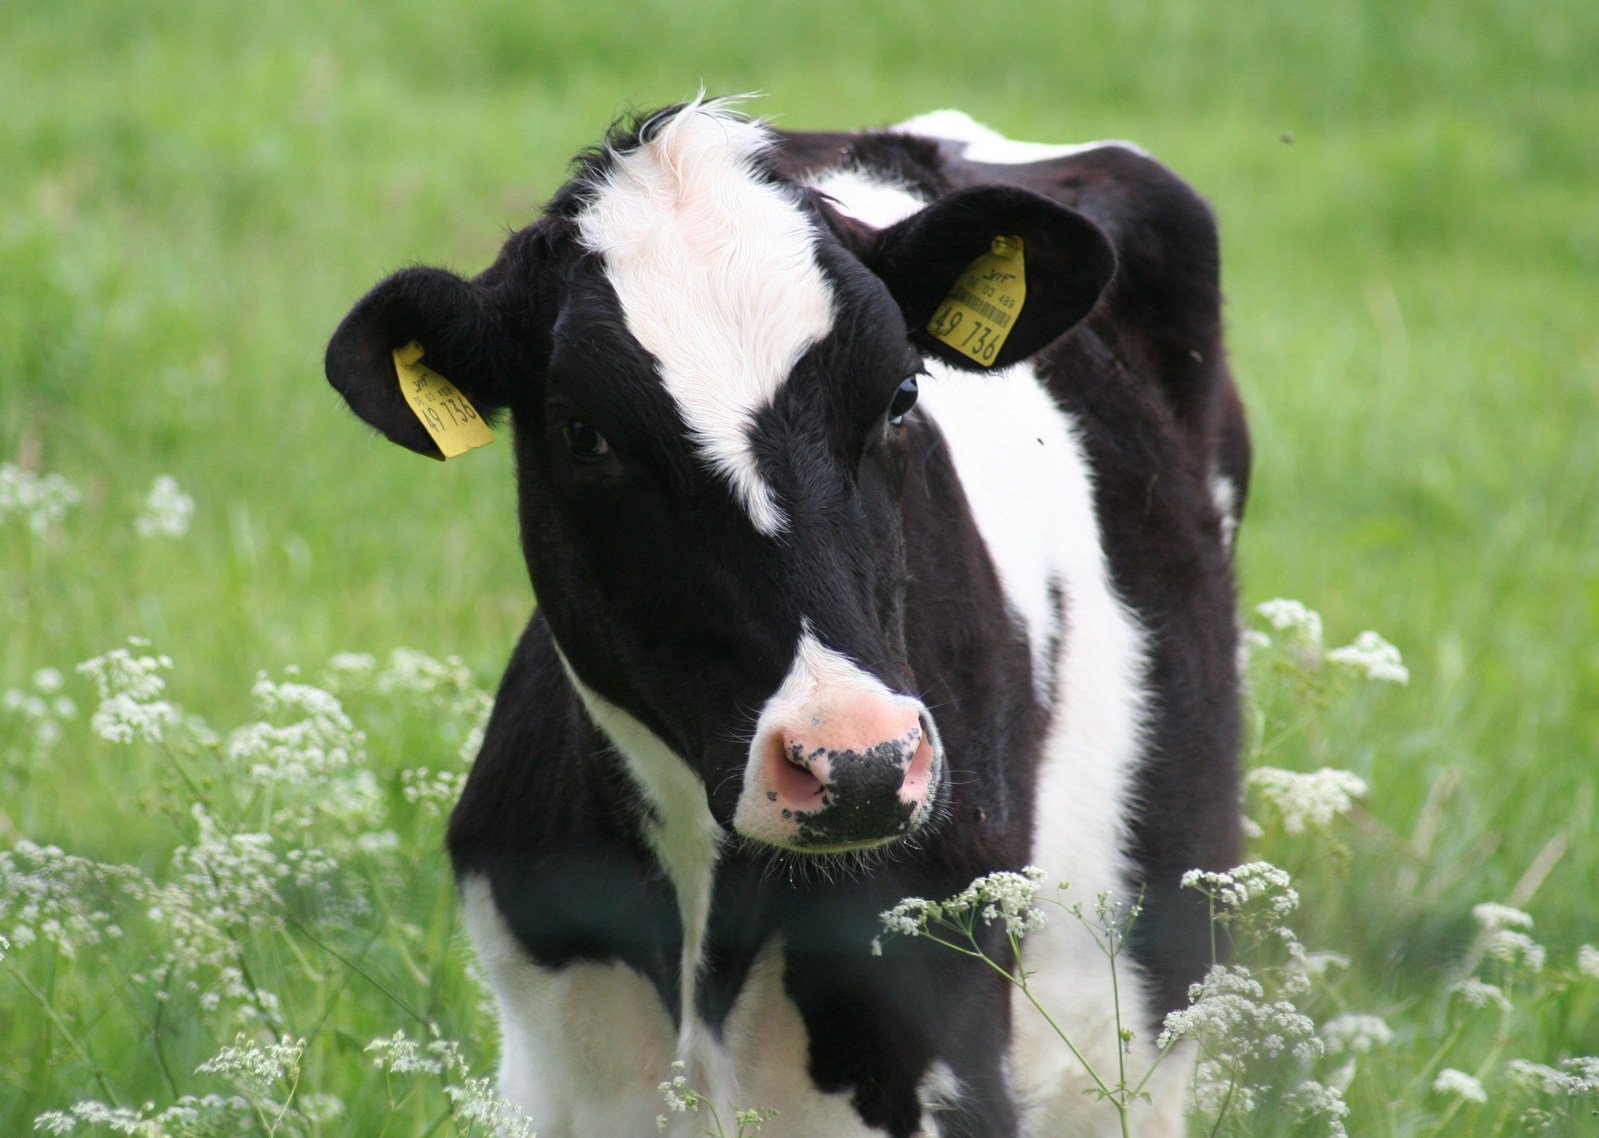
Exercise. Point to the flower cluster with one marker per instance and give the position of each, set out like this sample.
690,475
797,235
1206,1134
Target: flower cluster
1460,1085
1373,657
45,707
68,901
1307,800
434,791
1292,617
473,1101
224,886
166,510
319,742
40,500
1005,896
1355,1034
130,689
1234,889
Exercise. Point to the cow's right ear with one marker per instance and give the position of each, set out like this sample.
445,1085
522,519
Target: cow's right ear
464,334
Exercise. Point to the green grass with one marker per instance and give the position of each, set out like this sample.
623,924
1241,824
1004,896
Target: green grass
194,195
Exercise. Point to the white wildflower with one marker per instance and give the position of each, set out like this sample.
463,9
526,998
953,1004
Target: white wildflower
679,1098
1493,916
319,741
191,1115
254,1067
349,669
434,791
130,687
43,706
1515,949
1292,616
1373,657
1460,1085
446,684
476,1103
1529,1076
1232,1018
166,510
40,500
404,1056
61,898
1255,880
1480,994
1313,1099
1588,961
1303,800
1355,1034
1005,896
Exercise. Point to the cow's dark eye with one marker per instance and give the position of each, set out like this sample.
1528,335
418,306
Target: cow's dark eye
904,399
583,440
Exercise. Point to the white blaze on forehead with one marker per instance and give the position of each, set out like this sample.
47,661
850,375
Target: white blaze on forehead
716,271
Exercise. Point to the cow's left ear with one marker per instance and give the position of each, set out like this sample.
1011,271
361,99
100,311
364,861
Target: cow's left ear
1067,260
465,331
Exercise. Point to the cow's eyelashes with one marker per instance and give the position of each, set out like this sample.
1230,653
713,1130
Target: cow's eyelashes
904,399
584,441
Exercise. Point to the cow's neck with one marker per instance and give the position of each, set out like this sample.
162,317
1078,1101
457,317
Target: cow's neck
679,829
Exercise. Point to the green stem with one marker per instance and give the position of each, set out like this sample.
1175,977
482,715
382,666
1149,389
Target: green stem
66,1033
355,967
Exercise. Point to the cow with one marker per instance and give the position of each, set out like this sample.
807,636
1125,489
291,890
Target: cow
833,609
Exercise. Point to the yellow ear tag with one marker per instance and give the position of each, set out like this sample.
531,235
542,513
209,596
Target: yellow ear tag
447,415
983,303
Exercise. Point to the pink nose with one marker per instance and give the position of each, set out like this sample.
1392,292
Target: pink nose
852,772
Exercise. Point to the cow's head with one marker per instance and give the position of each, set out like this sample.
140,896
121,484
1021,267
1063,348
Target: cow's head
712,377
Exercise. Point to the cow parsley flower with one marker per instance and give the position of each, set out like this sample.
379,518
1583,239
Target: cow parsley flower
1307,800
130,687
44,706
254,1067
318,742
434,791
166,510
1518,950
473,1101
1232,1018
1493,916
1480,994
40,500
65,900
1355,1034
1292,617
1460,1085
1373,657
1005,896
1588,961
1235,888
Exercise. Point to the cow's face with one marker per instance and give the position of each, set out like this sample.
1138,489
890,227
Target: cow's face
712,380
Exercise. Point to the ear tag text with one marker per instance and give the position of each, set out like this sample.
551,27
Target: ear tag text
983,303
440,407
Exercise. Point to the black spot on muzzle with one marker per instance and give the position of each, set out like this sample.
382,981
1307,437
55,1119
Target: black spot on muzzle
862,800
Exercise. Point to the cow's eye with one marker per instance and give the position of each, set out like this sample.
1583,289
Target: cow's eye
904,399
583,440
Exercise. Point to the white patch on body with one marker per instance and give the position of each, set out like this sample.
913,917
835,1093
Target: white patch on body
582,1048
687,842
769,1047
984,144
1225,495
717,275
1030,488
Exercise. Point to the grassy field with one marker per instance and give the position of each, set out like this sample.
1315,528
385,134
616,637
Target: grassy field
194,194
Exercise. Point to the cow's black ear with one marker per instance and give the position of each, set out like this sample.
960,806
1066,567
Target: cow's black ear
464,332
1068,262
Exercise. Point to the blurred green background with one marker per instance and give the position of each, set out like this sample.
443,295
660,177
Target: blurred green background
193,193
